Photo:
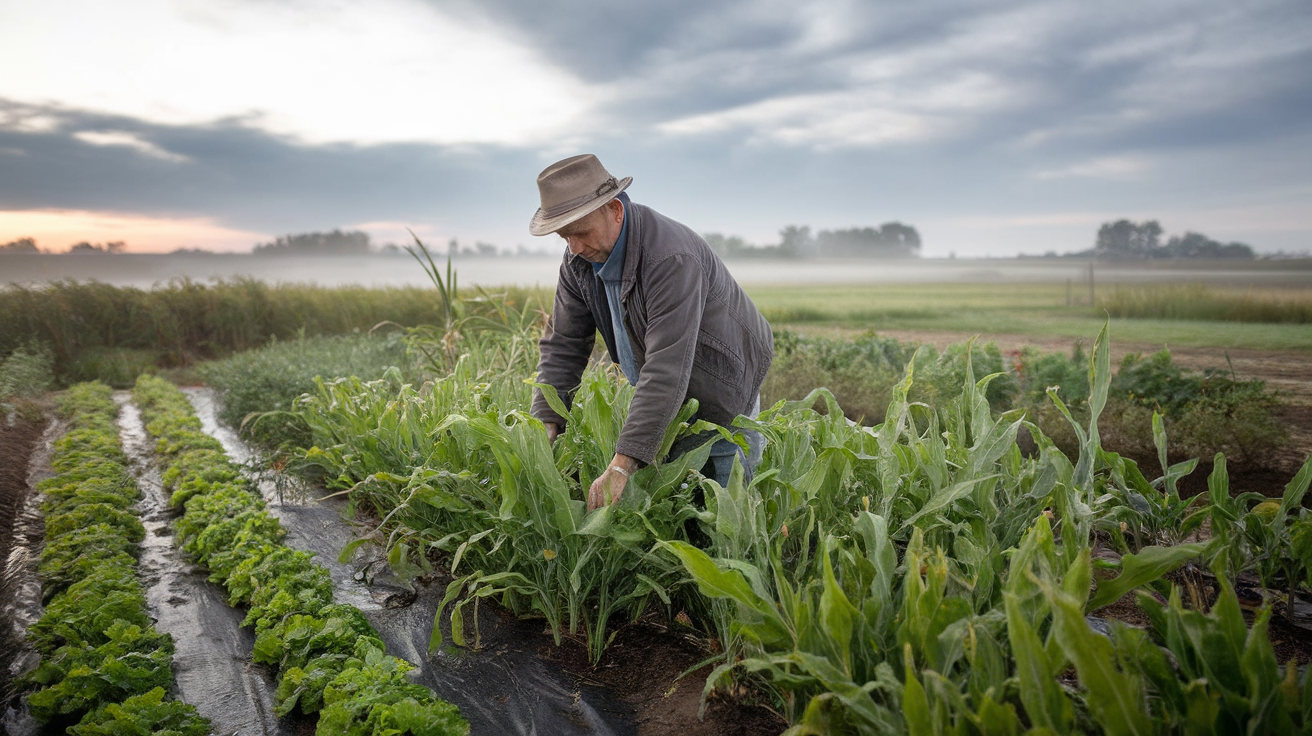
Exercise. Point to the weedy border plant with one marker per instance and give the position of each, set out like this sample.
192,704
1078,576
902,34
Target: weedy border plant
324,653
104,668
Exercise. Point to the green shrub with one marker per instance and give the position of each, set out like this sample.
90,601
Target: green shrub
148,714
268,379
861,372
133,660
81,615
117,367
66,559
373,698
26,373
1205,413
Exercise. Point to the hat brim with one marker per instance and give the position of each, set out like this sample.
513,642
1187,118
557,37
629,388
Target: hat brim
543,225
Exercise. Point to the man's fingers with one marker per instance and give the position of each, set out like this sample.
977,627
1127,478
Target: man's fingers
606,490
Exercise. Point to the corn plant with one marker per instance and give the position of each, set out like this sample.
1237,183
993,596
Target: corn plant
917,576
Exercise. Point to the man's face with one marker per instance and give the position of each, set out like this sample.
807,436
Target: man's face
593,237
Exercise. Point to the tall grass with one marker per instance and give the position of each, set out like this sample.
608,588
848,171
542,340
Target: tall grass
1198,302
270,378
25,373
89,323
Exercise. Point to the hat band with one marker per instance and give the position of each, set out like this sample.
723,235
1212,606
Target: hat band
606,187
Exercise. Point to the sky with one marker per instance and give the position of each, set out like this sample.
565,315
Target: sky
992,127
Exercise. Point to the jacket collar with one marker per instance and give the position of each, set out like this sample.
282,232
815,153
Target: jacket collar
633,217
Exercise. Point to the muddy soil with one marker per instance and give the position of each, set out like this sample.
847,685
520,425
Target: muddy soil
25,447
644,663
19,438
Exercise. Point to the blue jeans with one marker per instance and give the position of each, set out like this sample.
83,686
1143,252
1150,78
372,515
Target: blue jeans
720,464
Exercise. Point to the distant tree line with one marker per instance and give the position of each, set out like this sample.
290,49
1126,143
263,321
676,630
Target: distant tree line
888,241
22,245
335,243
1124,239
28,245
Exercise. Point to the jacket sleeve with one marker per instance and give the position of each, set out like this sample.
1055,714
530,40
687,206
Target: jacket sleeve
565,346
676,295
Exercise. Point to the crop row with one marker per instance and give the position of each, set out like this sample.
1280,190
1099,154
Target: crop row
329,659
919,576
104,668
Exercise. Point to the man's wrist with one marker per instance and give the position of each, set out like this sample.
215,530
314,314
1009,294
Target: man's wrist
625,463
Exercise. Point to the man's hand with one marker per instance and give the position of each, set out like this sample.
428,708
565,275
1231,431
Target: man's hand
553,432
609,486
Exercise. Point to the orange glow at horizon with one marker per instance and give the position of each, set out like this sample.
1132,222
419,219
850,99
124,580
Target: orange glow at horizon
56,231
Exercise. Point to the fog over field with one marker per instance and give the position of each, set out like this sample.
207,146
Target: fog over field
145,270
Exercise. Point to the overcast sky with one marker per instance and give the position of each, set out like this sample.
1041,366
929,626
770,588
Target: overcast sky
993,127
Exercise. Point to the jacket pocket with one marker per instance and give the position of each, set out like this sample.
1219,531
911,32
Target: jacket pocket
717,359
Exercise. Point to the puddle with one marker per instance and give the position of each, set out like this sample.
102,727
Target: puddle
504,688
21,606
212,660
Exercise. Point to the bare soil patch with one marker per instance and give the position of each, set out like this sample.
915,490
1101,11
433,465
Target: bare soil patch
643,664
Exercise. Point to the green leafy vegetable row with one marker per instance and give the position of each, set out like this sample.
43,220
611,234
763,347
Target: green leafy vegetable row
104,668
329,660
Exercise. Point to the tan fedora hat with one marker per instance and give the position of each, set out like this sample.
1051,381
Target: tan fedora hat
572,188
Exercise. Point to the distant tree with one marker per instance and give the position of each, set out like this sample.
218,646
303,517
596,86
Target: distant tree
904,237
114,246
335,243
857,241
1125,239
795,241
890,240
485,249
22,245
1197,245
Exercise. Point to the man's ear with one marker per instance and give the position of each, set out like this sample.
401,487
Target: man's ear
616,210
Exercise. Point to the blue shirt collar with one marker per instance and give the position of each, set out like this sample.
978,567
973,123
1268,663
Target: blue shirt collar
613,268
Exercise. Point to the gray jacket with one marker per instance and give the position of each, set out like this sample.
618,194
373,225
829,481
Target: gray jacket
695,333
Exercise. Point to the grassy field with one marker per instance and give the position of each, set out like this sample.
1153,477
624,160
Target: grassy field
1038,310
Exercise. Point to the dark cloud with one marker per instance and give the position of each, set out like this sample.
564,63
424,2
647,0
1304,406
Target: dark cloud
245,176
1089,73
1026,108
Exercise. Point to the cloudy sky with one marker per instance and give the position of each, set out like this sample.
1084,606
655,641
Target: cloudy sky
993,127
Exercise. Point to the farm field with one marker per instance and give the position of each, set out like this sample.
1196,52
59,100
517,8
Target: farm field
1022,310
979,553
